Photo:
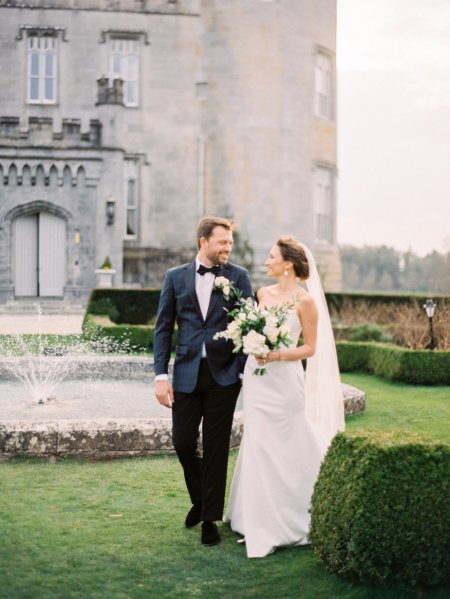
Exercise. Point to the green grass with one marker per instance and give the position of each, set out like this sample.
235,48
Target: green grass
420,409
114,530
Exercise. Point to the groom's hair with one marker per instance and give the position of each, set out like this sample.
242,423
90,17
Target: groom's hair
207,225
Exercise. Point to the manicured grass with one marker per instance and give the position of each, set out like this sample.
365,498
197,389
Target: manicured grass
114,530
420,409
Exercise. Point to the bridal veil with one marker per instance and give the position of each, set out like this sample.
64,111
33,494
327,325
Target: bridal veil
323,389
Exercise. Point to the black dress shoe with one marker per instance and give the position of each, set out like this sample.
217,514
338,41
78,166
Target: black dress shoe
193,517
210,534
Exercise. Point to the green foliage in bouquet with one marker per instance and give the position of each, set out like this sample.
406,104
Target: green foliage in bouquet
380,512
254,330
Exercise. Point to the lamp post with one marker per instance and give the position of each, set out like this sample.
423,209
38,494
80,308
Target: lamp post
430,307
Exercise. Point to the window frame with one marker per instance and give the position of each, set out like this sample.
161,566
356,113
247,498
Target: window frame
131,175
134,51
324,85
42,53
324,204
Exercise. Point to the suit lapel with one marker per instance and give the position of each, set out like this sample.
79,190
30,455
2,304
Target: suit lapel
189,281
215,296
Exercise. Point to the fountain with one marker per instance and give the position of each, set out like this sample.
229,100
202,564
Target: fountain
88,397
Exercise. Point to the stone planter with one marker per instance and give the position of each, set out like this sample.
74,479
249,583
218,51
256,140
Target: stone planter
104,277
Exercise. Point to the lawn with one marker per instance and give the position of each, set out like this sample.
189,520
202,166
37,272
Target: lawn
419,409
114,530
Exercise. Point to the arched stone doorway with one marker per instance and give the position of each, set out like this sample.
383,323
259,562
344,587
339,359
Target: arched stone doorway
39,255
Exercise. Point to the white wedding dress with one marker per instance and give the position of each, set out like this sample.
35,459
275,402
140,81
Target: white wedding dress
279,457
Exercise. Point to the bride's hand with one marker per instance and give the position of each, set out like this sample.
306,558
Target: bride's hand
272,356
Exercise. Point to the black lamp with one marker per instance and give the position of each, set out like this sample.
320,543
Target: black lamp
110,210
430,308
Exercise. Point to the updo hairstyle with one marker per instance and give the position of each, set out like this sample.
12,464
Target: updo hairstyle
292,251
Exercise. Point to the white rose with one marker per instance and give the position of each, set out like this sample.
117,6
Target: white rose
284,329
254,344
221,281
271,333
234,331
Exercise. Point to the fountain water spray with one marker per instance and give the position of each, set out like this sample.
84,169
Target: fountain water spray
41,368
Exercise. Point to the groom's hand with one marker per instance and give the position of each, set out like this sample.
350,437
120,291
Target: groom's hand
164,393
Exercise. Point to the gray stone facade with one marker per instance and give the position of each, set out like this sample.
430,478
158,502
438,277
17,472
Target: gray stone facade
214,116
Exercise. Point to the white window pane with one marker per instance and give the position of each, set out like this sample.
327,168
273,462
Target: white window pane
34,88
49,64
49,89
131,222
132,68
131,93
131,194
116,64
34,64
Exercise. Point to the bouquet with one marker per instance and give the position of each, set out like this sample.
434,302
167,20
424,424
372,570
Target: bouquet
253,329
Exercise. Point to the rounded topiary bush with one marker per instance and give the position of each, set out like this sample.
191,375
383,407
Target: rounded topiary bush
380,511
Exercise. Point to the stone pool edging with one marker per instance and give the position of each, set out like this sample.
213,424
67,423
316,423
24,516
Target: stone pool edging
106,438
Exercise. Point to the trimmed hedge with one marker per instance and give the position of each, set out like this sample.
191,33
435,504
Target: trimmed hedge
139,306
368,332
136,337
380,511
417,367
130,306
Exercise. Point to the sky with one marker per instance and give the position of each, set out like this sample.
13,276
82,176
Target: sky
393,61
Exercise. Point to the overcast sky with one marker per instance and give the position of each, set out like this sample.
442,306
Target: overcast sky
394,123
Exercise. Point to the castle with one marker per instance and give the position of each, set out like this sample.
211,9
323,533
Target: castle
123,122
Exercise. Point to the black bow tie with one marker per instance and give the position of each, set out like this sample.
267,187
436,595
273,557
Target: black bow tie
202,269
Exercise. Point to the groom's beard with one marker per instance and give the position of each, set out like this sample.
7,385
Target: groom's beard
219,259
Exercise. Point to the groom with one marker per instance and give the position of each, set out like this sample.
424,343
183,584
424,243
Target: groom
206,381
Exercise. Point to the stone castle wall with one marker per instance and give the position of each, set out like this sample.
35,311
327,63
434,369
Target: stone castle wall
224,123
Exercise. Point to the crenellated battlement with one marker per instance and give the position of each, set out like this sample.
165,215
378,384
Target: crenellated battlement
184,7
41,132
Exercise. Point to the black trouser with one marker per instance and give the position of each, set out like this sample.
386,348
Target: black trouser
205,476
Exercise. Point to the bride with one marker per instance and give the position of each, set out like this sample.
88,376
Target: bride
289,417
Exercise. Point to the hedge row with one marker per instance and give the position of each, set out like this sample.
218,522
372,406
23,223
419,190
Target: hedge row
139,306
130,306
379,512
418,367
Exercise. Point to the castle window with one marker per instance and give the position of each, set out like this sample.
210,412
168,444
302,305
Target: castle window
131,209
323,86
42,69
124,64
323,205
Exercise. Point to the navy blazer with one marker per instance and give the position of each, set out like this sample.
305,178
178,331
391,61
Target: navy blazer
179,303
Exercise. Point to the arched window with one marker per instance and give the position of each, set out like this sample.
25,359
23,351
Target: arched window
42,66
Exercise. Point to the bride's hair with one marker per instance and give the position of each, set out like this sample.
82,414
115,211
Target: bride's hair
292,251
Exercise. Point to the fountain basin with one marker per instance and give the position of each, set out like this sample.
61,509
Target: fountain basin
106,409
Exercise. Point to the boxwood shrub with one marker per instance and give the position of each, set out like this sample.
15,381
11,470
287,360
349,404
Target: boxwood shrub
418,367
130,306
380,511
